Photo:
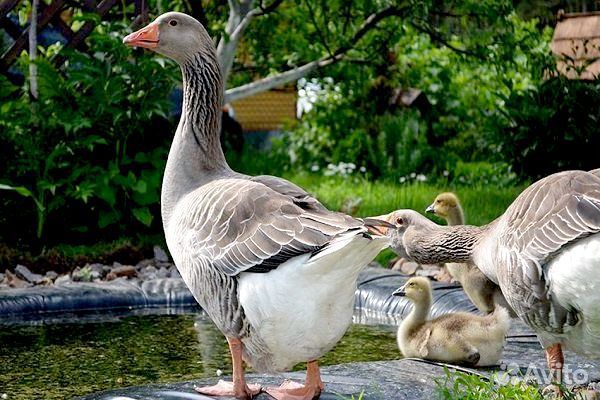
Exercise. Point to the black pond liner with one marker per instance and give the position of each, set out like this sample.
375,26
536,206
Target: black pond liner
400,379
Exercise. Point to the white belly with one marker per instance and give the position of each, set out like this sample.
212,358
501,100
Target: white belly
575,282
300,310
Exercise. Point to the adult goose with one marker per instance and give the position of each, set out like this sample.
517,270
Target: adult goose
484,293
272,267
544,252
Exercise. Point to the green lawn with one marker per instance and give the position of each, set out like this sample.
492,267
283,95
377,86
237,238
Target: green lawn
481,203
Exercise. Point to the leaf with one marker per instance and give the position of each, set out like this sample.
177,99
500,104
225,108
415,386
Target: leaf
108,218
23,191
143,215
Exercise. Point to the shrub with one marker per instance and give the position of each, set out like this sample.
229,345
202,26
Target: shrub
553,128
91,148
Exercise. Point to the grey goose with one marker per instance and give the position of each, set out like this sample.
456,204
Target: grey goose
482,292
543,252
271,266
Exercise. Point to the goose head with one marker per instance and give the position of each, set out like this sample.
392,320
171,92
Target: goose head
417,289
407,222
444,205
174,35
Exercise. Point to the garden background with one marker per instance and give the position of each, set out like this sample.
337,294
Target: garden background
81,163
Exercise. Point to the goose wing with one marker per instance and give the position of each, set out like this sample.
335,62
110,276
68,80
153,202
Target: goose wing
255,225
549,215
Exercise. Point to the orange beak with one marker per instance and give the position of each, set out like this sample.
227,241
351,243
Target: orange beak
146,37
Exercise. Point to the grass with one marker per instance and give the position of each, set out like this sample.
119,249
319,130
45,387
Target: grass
353,194
461,386
481,203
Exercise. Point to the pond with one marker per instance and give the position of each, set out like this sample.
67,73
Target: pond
67,358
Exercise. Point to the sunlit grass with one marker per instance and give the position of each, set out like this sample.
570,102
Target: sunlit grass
461,386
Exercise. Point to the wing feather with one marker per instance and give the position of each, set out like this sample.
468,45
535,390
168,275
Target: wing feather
554,212
257,224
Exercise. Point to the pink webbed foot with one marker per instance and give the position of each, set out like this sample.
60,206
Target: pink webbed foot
290,390
224,388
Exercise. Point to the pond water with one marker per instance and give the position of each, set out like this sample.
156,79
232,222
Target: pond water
63,359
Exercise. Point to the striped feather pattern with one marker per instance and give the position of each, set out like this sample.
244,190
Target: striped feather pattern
552,213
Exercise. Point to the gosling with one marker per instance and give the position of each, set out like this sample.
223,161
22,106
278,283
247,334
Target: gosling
482,292
460,338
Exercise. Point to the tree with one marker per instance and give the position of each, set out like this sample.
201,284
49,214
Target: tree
314,34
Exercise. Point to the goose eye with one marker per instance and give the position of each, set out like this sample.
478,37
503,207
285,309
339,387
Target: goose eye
173,22
438,201
399,221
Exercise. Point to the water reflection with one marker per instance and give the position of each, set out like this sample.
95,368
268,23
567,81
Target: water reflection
65,357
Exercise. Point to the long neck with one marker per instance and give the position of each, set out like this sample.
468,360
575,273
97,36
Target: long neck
196,156
442,244
201,114
456,216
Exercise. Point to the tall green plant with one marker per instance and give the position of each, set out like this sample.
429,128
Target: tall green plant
91,147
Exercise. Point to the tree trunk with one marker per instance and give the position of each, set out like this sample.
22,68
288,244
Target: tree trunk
33,83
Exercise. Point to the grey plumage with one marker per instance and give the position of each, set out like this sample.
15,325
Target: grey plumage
515,250
222,226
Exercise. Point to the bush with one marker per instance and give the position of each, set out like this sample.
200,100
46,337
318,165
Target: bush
553,128
91,148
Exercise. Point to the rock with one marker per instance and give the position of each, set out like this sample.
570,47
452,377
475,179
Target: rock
127,271
85,274
444,275
162,272
24,273
148,273
51,275
1,277
144,263
174,273
404,266
428,270
62,280
160,255
14,281
99,270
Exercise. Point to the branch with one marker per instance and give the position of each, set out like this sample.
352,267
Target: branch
437,37
315,23
270,8
269,82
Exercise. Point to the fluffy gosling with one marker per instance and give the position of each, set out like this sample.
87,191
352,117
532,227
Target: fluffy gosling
461,338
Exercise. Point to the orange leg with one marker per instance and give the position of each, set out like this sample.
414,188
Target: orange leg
294,391
238,388
555,360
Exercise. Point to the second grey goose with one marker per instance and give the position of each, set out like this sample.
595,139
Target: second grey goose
544,252
272,267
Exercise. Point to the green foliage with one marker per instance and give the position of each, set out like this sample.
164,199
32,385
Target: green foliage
90,143
553,128
458,385
352,119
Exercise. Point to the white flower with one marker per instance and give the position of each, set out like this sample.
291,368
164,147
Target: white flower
421,178
362,169
314,168
402,179
413,175
445,173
